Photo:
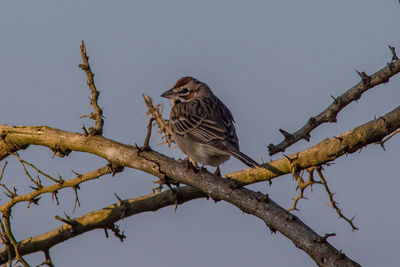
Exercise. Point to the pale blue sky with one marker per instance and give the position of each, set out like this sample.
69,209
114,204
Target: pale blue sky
274,64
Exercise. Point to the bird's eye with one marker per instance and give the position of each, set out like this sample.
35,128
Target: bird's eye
184,90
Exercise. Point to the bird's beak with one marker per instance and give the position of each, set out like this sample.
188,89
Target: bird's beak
167,94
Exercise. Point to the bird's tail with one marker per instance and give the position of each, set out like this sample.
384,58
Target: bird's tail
244,158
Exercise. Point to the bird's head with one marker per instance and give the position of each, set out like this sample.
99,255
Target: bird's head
186,89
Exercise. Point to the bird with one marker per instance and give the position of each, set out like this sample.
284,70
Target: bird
202,126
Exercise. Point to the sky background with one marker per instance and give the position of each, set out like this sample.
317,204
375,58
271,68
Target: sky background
273,63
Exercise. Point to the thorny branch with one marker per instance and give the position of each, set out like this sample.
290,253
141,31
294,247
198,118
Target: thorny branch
98,112
333,203
330,113
100,219
55,188
302,185
328,150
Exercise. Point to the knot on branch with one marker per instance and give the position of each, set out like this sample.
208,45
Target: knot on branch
262,197
115,168
60,151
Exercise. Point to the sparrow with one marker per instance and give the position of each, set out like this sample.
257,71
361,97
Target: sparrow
202,126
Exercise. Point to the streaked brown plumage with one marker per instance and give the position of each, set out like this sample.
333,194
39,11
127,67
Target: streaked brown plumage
201,125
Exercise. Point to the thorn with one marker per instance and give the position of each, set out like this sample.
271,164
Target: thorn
77,202
119,199
34,201
338,138
34,188
55,196
77,174
285,134
323,239
366,80
393,50
86,133
60,179
68,220
289,159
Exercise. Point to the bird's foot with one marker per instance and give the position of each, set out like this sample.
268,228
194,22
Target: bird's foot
191,164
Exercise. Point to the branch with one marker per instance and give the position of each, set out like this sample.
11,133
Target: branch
325,151
330,113
161,166
12,240
101,219
125,155
333,203
98,112
54,188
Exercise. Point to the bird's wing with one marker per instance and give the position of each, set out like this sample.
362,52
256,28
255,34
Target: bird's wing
206,122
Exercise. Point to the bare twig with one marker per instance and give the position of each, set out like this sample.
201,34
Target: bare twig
2,170
330,113
48,260
147,139
23,163
333,203
155,111
11,238
302,186
384,140
98,112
